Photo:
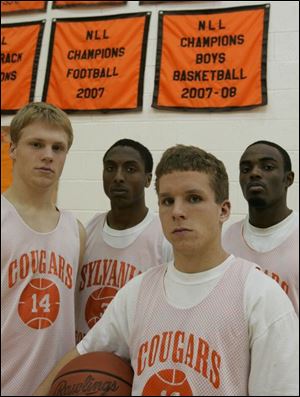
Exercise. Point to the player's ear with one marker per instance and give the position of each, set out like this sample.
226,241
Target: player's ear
225,208
148,179
12,150
290,178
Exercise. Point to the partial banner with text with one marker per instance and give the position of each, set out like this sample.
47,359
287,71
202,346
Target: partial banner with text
20,53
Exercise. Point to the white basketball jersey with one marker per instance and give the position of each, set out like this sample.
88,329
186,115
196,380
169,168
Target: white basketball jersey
199,351
38,277
281,263
107,268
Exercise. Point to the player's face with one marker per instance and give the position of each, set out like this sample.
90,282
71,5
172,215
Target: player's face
39,155
263,180
124,176
190,217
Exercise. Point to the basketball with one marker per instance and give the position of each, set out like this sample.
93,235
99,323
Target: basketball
97,374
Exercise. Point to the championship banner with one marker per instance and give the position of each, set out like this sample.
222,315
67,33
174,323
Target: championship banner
8,7
20,51
64,4
212,59
97,63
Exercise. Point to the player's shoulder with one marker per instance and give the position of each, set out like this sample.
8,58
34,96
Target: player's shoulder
96,221
261,290
233,228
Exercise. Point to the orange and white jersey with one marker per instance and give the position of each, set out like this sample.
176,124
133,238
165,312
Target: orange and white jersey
280,261
208,333
38,277
112,258
178,351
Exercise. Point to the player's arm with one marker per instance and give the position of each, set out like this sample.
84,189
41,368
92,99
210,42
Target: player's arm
44,387
274,339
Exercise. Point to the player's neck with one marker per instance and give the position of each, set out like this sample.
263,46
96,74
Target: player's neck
267,217
21,196
125,218
199,262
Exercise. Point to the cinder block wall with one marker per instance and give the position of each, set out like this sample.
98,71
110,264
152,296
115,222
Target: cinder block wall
224,134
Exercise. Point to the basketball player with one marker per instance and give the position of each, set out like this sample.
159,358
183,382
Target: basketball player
269,235
125,241
40,250
207,323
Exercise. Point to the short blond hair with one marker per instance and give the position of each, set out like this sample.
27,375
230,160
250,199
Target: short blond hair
192,158
40,111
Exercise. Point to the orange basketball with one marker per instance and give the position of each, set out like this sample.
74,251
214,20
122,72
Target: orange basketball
97,374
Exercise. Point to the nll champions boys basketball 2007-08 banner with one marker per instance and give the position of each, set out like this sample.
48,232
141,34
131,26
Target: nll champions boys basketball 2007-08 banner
212,59
20,51
97,63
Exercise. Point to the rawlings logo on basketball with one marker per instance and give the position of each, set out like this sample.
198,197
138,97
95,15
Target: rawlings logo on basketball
88,386
39,303
97,304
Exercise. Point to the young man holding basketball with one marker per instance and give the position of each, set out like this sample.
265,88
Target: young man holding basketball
40,251
125,241
269,235
208,323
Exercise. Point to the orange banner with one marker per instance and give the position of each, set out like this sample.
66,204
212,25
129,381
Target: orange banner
212,59
97,63
20,50
63,4
6,162
22,6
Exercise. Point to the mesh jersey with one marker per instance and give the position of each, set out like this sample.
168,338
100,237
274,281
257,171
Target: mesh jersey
106,269
281,263
200,351
38,277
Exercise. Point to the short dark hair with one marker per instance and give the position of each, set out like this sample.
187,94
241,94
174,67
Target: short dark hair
143,151
287,164
192,158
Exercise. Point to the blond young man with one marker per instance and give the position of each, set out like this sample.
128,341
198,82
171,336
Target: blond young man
207,323
41,247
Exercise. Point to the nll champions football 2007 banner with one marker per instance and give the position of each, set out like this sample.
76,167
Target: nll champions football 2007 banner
97,63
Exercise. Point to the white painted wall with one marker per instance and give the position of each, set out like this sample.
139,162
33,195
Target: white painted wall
224,134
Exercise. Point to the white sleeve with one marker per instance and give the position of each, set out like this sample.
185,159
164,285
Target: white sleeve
274,338
112,332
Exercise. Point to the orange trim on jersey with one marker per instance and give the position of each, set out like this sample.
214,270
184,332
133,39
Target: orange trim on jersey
20,49
97,63
16,6
212,59
63,4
